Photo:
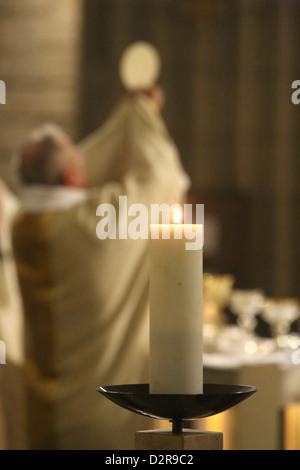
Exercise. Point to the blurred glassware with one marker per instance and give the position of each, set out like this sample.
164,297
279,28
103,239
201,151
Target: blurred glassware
280,313
246,305
216,293
235,341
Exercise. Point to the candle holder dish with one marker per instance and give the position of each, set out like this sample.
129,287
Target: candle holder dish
215,399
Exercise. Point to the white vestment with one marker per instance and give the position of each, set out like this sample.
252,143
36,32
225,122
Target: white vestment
11,331
85,299
11,321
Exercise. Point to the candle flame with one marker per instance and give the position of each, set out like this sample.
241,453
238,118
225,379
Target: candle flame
177,216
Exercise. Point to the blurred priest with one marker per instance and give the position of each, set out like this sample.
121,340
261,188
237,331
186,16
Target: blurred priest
86,300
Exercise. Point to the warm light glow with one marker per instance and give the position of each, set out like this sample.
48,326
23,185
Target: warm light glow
251,347
291,427
177,216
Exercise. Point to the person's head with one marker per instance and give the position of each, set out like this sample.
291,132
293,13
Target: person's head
50,157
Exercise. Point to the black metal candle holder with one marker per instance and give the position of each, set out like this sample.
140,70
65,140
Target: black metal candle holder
176,408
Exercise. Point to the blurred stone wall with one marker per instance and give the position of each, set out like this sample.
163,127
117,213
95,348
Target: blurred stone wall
39,62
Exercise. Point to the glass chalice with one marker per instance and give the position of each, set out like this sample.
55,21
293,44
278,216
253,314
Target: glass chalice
241,338
280,313
246,305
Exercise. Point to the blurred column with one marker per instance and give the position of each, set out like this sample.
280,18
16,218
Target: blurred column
286,124
39,61
255,106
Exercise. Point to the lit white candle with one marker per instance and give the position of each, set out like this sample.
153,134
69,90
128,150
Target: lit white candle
175,311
